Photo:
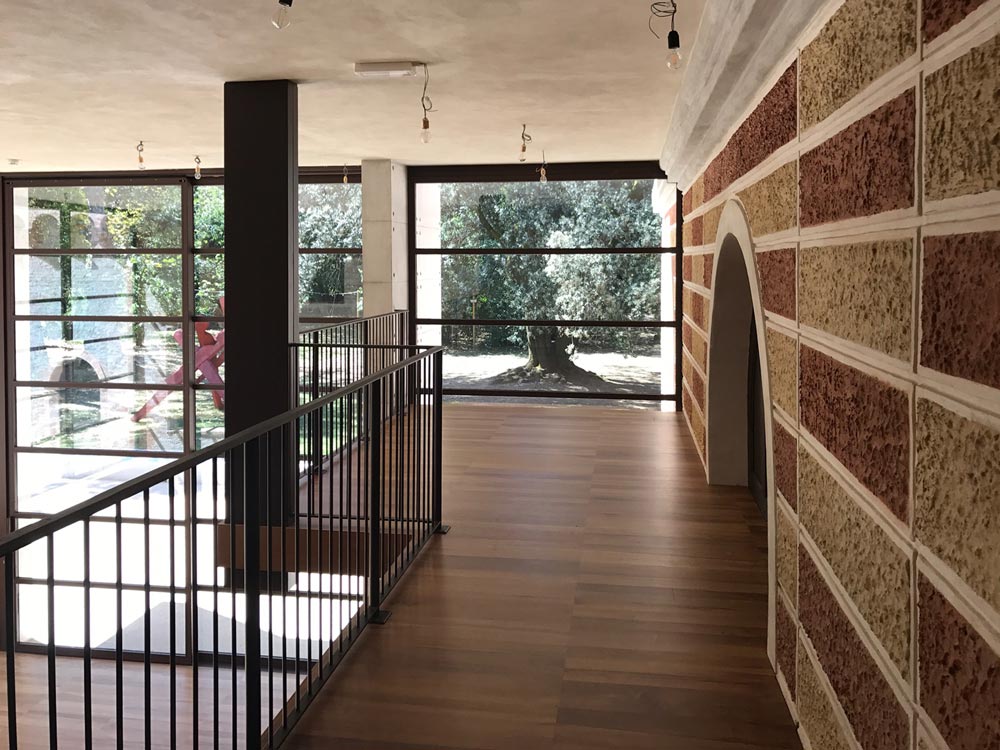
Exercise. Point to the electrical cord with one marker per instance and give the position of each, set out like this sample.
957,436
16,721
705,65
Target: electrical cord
666,9
425,101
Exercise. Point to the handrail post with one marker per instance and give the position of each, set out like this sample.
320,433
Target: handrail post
436,514
9,640
317,419
378,616
252,481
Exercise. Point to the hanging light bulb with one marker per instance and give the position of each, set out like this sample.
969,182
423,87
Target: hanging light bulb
140,148
675,60
543,170
346,180
197,167
281,19
668,9
428,106
525,140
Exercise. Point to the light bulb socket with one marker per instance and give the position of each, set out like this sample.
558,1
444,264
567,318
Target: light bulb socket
673,40
426,124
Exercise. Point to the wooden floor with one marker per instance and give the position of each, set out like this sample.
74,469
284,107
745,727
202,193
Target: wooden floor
593,593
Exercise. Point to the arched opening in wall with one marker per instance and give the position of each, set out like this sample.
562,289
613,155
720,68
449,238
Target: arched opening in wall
738,420
737,410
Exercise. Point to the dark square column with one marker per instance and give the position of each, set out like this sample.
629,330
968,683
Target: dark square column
261,163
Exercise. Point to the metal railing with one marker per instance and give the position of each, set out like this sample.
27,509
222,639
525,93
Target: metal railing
333,356
209,600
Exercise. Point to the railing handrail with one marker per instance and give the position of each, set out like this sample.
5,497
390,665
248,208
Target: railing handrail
352,321
21,538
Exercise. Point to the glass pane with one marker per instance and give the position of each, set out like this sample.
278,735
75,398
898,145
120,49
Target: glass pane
98,352
614,287
99,418
589,360
210,353
69,632
211,422
98,285
582,214
49,483
97,217
330,285
209,216
330,215
209,284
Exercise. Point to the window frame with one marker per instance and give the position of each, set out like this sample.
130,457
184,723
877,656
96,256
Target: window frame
568,172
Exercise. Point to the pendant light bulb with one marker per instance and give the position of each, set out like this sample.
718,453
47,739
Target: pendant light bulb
281,19
428,106
543,170
140,148
675,60
197,167
524,153
346,180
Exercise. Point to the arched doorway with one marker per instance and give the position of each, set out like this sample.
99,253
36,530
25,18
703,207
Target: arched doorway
738,408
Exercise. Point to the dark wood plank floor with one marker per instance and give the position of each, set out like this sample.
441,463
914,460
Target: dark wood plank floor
594,593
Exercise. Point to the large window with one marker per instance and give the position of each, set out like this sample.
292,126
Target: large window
118,366
557,290
118,295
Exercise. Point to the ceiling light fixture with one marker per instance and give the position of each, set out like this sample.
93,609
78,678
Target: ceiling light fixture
197,167
543,170
140,148
525,140
346,179
281,19
428,106
668,9
386,69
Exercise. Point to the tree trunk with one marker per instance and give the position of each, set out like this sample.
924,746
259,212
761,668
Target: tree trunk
547,350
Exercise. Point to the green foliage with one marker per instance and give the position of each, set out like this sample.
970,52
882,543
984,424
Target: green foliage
565,215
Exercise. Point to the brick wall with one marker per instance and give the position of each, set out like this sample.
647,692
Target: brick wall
870,176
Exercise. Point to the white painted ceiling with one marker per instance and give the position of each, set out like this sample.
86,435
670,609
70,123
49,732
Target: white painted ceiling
83,81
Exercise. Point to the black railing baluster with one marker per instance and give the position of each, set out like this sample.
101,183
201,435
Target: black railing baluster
231,504
438,415
147,710
376,450
88,681
119,635
171,540
269,574
254,491
194,647
310,484
215,595
285,474
10,637
51,645
296,501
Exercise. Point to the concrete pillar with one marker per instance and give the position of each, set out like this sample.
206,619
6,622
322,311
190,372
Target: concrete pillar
384,227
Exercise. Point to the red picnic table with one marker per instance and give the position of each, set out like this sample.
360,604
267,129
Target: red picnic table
209,355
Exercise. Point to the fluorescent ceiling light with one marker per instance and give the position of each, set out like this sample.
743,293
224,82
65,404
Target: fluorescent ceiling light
386,69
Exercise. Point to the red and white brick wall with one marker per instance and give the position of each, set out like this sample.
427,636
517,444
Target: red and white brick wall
869,172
